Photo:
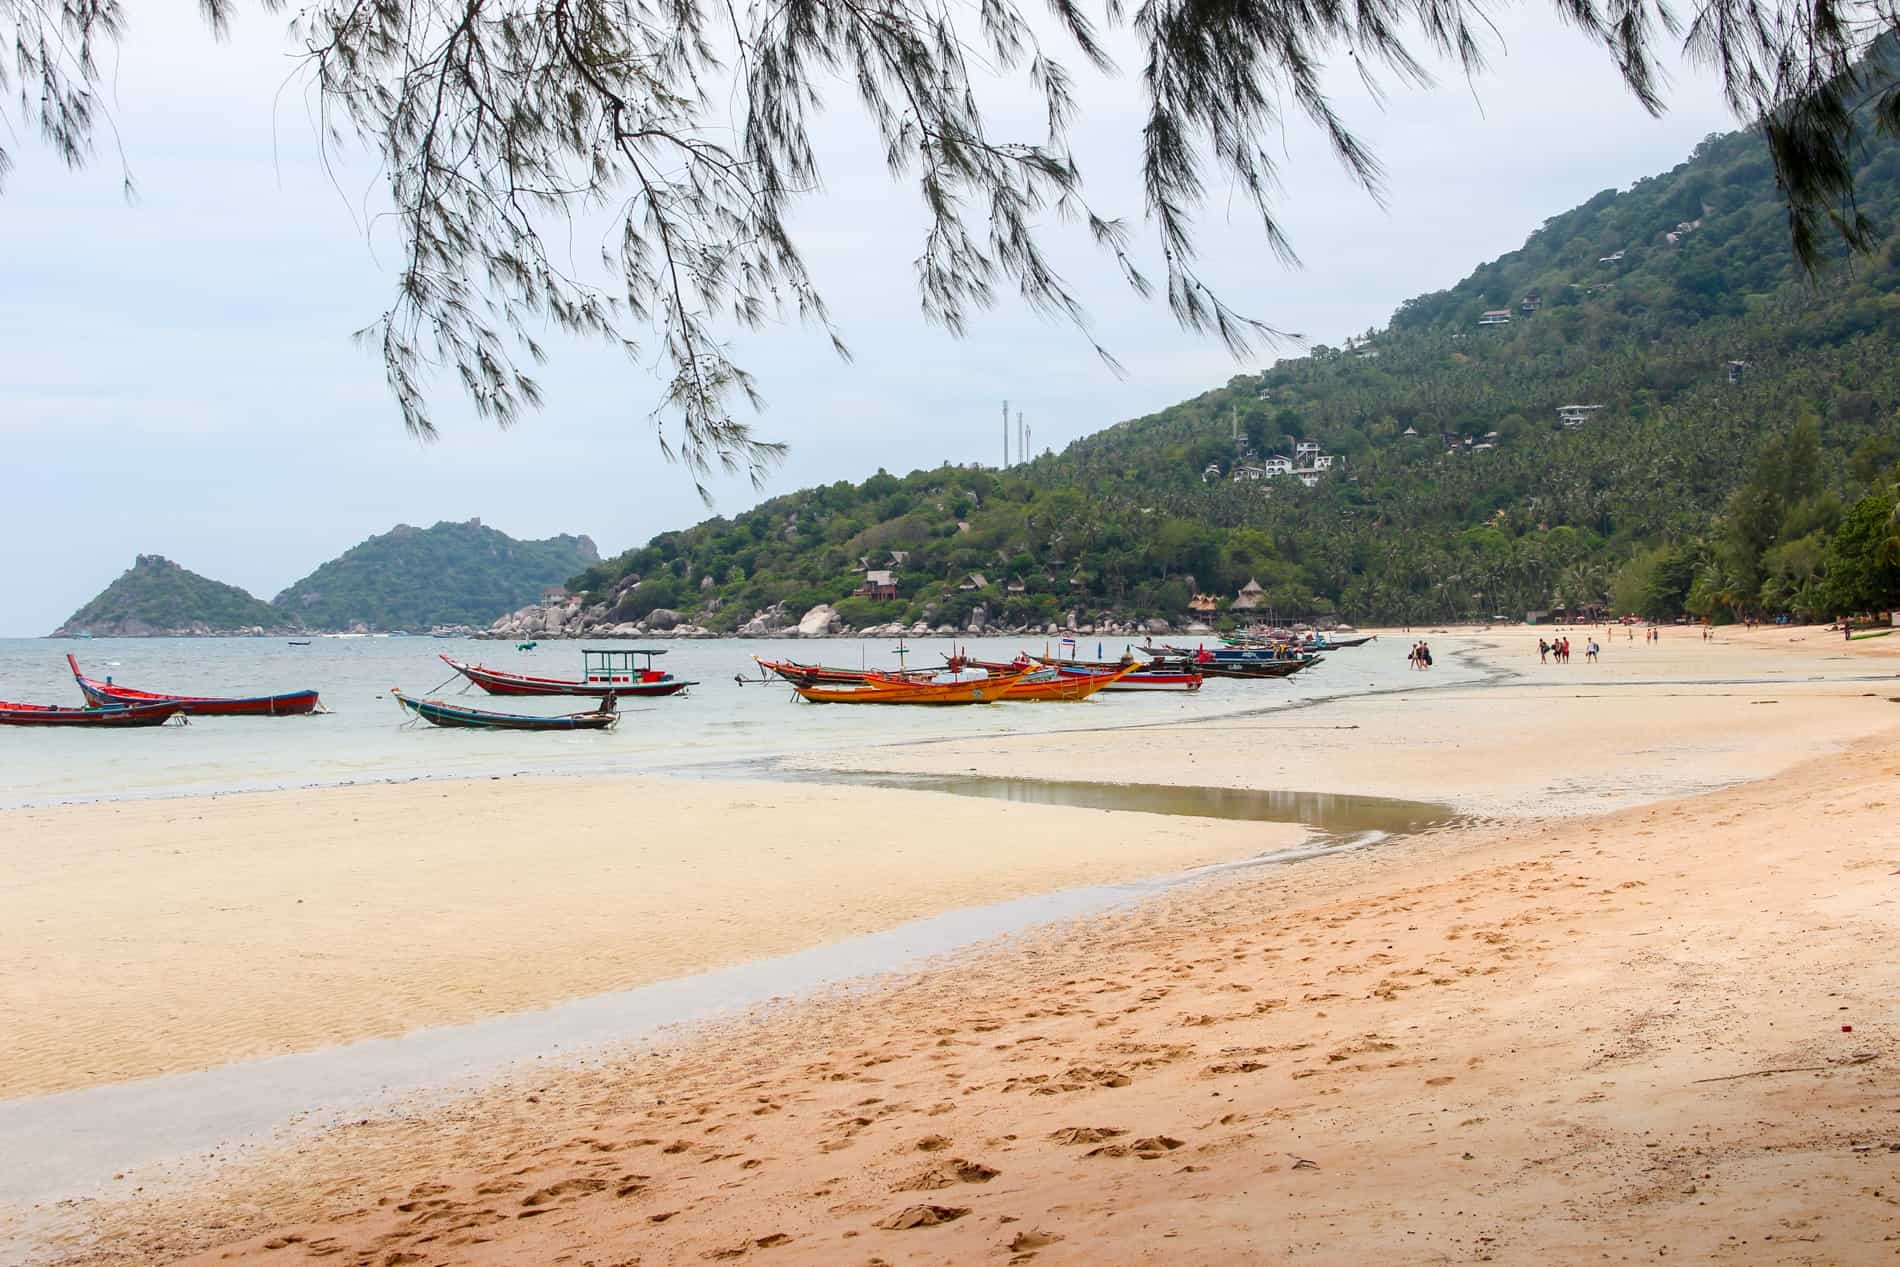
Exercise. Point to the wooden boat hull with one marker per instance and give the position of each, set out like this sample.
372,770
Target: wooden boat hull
499,682
1252,668
1141,677
981,691
290,704
1146,679
457,717
825,675
957,663
1065,686
111,717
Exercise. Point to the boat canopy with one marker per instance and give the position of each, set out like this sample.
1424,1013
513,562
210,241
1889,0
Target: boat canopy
600,667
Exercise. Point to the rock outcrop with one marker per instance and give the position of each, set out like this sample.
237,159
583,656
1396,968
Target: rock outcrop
568,618
821,621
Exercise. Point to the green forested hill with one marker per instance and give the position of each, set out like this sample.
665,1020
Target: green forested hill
156,596
1744,427
413,578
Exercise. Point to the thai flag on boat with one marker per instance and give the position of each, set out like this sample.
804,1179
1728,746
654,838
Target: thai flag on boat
1068,642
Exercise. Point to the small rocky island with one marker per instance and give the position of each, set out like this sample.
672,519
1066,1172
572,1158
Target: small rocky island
157,598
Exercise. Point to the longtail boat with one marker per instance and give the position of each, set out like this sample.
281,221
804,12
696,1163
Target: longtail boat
957,663
602,673
1252,668
456,716
872,691
1229,655
1050,683
1154,675
290,704
825,675
1145,677
114,716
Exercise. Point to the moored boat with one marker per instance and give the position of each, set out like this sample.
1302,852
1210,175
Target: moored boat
289,704
1252,668
1050,683
1142,678
825,675
610,672
1153,675
110,716
889,691
456,716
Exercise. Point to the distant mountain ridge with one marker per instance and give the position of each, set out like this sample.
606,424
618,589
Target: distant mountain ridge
156,597
451,574
407,578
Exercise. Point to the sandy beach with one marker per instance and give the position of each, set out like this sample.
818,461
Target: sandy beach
155,937
1637,1008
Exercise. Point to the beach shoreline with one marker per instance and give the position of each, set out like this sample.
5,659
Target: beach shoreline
1479,742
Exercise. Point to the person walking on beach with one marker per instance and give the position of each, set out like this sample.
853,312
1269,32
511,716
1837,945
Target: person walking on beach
1543,651
1590,651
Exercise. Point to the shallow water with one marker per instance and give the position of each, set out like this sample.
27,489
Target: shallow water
364,737
1330,814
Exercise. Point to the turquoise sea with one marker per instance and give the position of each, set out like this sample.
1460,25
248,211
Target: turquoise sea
716,725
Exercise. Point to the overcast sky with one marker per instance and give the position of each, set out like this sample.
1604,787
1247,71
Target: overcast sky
177,376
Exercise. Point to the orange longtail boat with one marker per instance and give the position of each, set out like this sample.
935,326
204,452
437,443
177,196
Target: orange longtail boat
891,691
1051,684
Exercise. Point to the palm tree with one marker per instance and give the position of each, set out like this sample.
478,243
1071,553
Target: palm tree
1890,548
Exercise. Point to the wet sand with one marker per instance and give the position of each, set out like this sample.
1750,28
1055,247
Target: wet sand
1480,1043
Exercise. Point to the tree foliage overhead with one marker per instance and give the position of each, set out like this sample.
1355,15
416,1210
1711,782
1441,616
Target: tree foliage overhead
690,124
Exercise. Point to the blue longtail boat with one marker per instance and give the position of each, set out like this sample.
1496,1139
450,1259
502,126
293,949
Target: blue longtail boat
456,716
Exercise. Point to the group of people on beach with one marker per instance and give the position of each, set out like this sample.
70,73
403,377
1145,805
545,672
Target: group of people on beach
1560,649
1421,656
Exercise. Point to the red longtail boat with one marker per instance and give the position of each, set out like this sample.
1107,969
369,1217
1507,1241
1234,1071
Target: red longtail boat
603,673
290,704
114,716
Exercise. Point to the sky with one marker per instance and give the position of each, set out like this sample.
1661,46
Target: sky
177,374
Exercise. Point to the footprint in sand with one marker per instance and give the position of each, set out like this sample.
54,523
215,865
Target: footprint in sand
574,1187
1034,1239
914,1216
1146,1149
946,1174
1085,1134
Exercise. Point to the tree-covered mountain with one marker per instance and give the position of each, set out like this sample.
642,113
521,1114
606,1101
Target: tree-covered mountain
1701,364
451,574
156,596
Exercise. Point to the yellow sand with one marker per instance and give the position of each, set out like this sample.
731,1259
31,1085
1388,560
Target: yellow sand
152,937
